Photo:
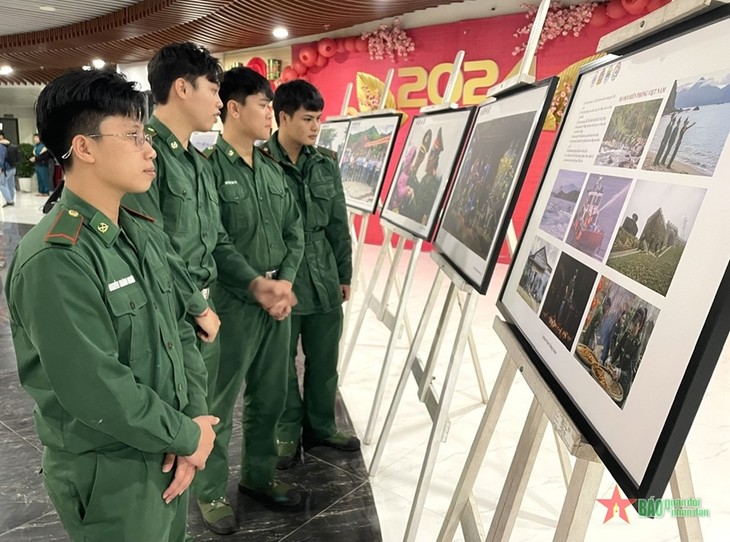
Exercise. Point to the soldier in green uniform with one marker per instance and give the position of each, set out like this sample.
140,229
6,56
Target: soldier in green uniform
101,341
323,280
184,79
262,220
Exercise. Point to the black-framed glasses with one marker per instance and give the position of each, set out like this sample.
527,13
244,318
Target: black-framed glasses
140,138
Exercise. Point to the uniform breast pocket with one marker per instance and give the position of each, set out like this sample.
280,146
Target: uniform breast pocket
127,306
178,207
322,196
235,204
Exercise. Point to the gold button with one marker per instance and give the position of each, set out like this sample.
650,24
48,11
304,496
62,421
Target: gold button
73,213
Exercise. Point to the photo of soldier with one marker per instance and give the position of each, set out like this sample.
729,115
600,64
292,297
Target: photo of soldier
617,330
426,165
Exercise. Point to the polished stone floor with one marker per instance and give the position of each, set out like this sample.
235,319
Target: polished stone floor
339,508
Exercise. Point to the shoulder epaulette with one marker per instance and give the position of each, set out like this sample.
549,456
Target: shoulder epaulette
66,228
136,213
150,131
327,152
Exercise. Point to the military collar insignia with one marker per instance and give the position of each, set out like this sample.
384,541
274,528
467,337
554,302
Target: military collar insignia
104,228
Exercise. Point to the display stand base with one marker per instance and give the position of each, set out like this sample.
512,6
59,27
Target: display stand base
586,473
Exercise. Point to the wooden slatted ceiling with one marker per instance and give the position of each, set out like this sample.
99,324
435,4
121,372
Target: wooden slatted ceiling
133,33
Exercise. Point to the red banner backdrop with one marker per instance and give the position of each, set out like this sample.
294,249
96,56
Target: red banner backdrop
421,79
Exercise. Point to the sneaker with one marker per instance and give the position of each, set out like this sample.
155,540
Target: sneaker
288,452
340,441
277,493
218,516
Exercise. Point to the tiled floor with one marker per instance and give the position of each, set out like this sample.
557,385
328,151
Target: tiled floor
343,482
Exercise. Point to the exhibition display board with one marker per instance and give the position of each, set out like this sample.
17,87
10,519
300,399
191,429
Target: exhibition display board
489,178
619,286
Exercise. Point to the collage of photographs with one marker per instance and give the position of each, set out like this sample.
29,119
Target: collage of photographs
633,223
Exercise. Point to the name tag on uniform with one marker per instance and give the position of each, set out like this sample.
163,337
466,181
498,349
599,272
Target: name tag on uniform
121,283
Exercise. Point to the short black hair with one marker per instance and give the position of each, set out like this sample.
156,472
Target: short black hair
78,101
289,97
186,60
240,83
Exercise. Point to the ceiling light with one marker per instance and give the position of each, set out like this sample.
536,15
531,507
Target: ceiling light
6,70
280,32
47,8
98,63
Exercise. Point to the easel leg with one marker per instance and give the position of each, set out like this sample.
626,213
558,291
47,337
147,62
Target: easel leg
364,309
475,362
579,501
393,341
424,383
439,425
405,375
357,268
518,475
564,457
682,488
459,508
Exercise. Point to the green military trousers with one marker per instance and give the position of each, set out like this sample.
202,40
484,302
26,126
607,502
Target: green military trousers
313,412
114,496
254,349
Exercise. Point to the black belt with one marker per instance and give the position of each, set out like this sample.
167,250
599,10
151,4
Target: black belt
312,236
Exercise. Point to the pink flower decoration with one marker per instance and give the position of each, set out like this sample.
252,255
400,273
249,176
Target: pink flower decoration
389,41
560,21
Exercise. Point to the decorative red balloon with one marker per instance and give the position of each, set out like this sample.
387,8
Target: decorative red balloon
258,65
321,61
634,7
288,74
599,17
327,47
340,45
361,45
300,68
308,56
273,85
654,5
305,77
615,9
350,44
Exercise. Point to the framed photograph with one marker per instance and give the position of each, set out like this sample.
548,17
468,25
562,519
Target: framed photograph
429,156
364,159
620,287
332,135
488,180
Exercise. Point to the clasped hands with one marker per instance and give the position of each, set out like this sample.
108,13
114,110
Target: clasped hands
275,296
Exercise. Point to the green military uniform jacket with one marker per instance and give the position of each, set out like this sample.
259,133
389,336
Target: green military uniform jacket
258,211
184,202
317,187
100,336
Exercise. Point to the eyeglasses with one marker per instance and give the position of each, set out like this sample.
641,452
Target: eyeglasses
140,138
